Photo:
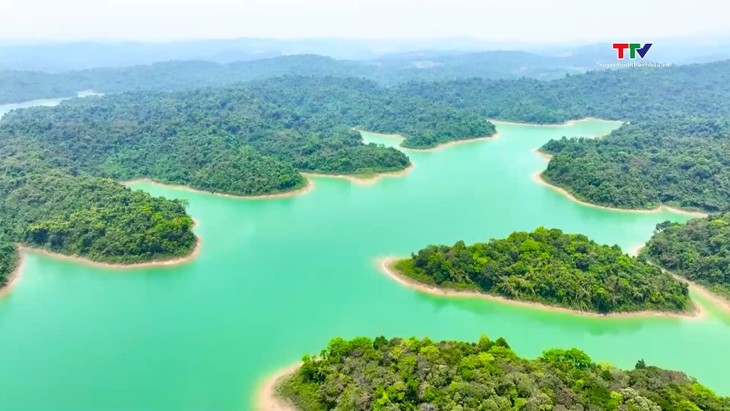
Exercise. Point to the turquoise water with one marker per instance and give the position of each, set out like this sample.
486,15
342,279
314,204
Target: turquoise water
278,278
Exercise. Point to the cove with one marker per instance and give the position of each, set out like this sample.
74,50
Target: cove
278,278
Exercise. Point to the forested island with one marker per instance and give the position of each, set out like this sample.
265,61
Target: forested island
681,163
58,163
698,250
88,217
257,137
550,267
419,374
675,113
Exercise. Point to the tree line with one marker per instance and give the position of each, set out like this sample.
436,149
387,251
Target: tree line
550,267
409,374
698,250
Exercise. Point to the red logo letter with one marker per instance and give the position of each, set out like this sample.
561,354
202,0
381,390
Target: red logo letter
620,47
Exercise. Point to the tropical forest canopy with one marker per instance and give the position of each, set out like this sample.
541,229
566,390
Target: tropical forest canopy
247,141
698,250
422,375
683,163
17,86
256,137
550,267
85,216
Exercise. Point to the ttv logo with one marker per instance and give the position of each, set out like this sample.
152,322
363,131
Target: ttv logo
634,48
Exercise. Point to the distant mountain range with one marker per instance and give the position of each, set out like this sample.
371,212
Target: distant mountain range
30,72
60,57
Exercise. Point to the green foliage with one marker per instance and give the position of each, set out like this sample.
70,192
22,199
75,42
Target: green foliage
550,267
8,260
419,375
81,215
681,163
698,250
675,151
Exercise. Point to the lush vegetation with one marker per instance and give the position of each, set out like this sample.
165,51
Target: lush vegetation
246,140
698,250
675,151
421,375
8,261
643,165
678,120
89,217
17,86
550,267
257,137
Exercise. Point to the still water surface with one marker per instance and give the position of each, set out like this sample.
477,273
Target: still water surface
278,278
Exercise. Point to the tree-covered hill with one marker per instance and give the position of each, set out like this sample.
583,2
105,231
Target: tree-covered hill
271,129
550,267
641,94
85,216
181,74
698,250
247,140
683,163
422,375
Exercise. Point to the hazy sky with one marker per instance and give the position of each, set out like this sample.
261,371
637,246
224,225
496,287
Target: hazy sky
511,20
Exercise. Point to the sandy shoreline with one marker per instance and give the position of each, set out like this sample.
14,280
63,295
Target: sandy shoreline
307,188
537,177
716,299
155,263
432,149
386,268
363,180
267,398
14,275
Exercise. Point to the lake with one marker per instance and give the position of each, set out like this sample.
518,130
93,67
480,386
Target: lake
277,278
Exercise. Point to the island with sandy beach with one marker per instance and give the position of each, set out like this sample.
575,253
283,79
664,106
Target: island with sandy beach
92,220
645,166
420,374
549,269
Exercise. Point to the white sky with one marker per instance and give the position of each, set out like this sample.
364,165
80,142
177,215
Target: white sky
510,20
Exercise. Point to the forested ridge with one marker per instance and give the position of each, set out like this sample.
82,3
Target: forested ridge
256,137
550,267
17,86
85,216
682,163
248,140
422,375
674,150
698,250
671,110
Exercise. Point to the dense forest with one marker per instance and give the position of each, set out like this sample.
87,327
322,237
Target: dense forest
674,150
17,86
248,140
256,137
422,375
550,267
677,115
698,250
85,216
683,163
663,103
